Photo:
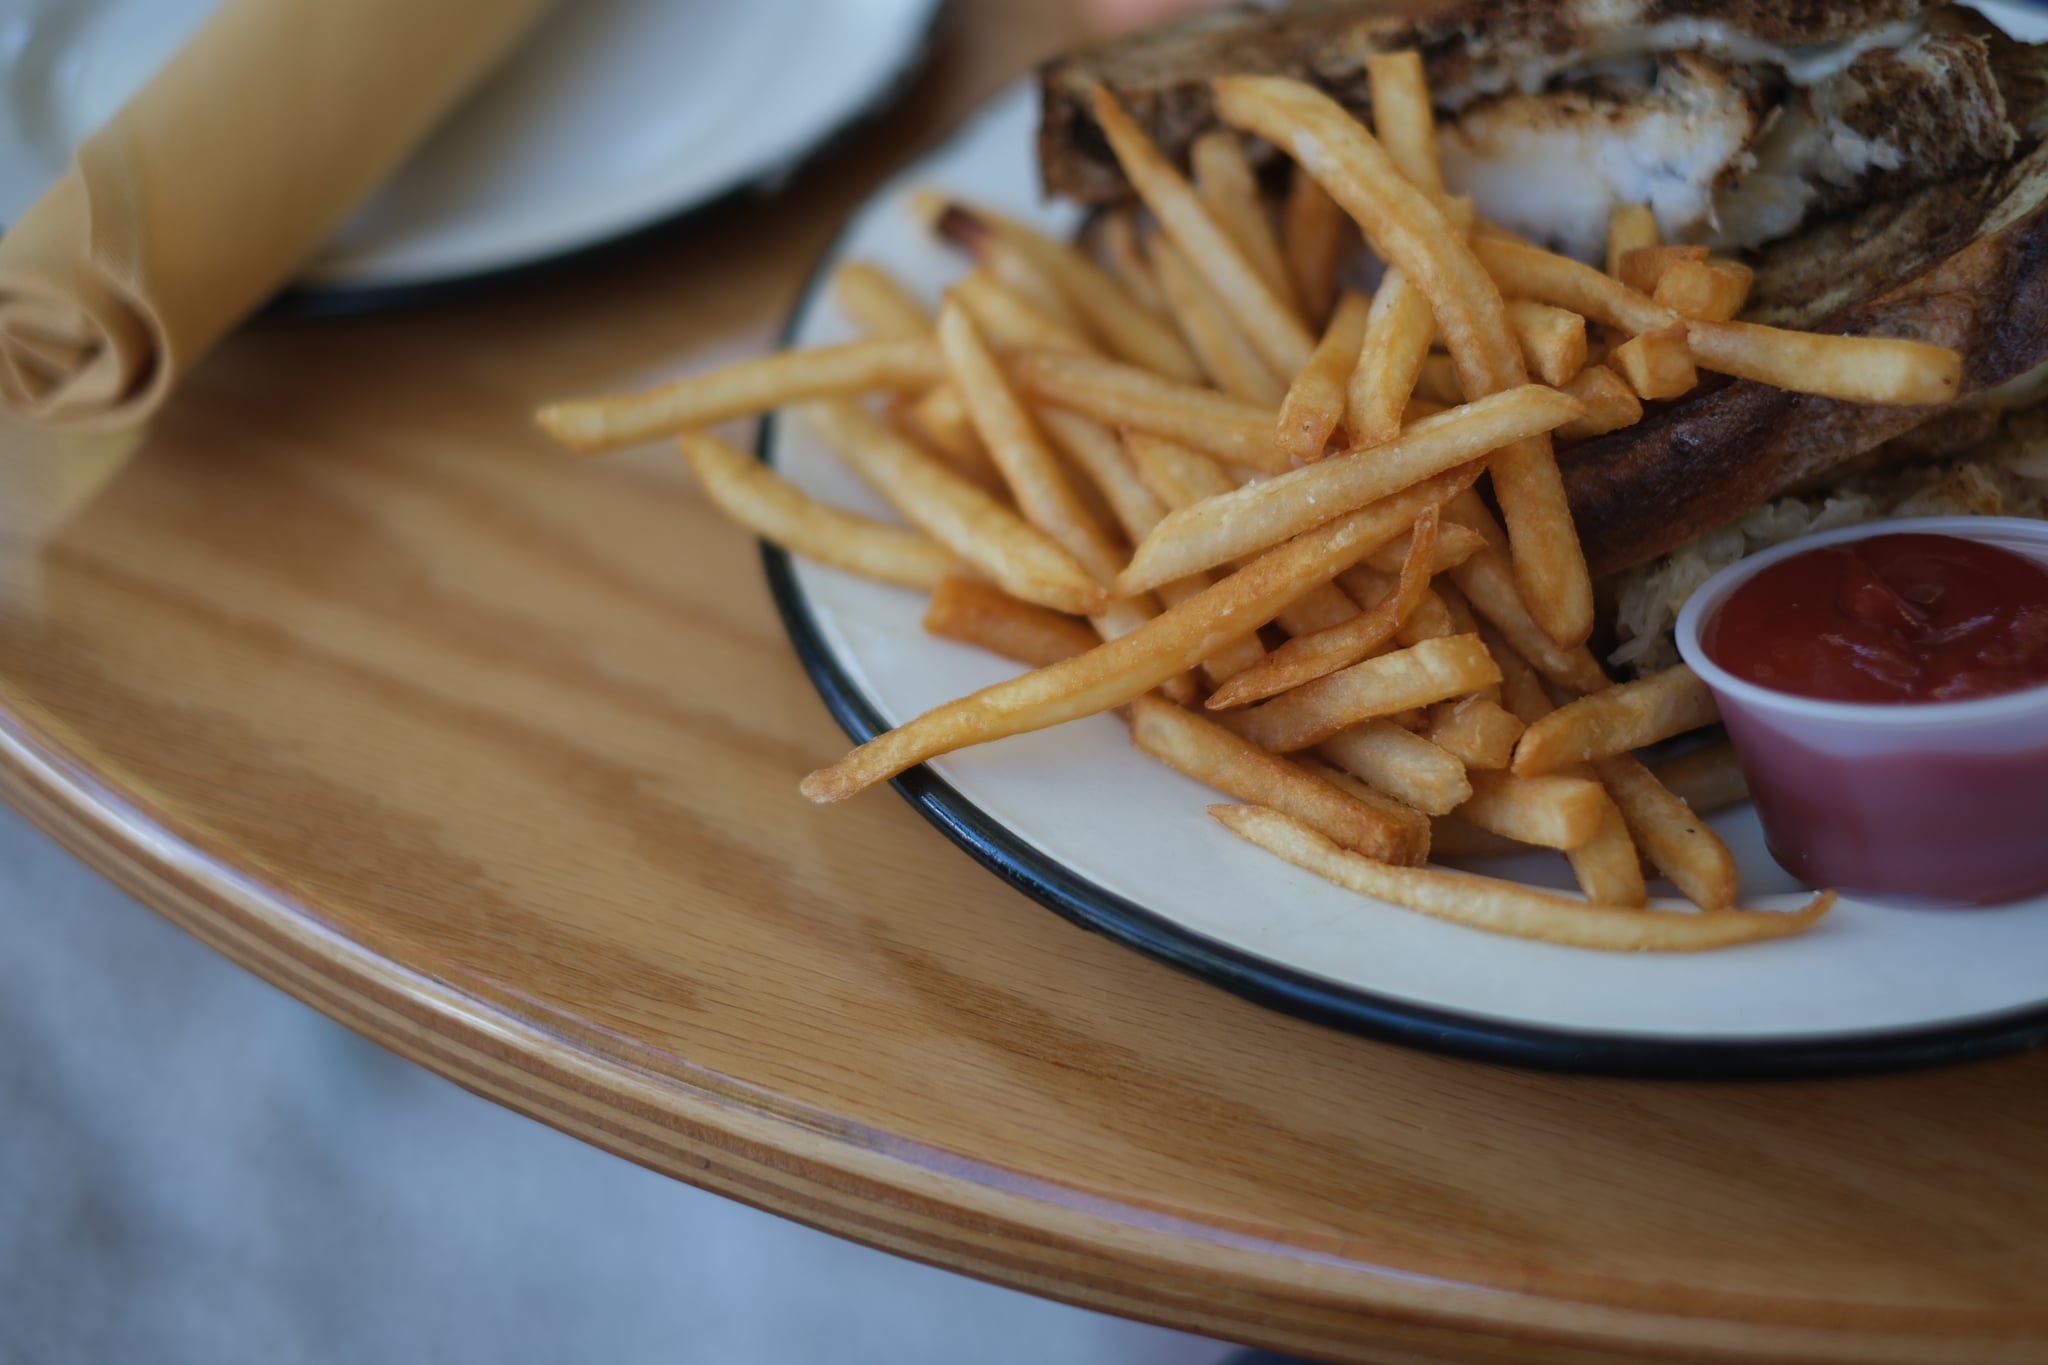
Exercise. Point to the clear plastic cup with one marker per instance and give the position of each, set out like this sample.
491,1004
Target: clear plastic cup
1942,804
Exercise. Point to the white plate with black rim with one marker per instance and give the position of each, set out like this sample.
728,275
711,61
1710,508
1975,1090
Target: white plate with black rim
1112,840
614,116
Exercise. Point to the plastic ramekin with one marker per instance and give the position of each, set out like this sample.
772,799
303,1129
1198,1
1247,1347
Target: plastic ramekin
1942,804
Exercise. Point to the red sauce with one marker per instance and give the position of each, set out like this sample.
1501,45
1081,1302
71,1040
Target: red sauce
1897,618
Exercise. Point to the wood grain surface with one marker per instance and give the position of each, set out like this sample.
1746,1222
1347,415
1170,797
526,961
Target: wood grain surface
492,756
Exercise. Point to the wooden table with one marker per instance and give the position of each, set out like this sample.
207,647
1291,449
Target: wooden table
492,756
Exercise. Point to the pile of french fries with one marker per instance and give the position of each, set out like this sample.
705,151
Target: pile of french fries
1182,473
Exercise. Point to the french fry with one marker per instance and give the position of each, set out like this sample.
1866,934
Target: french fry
1373,799
1384,686
1400,764
1265,513
1126,326
1708,779
1115,672
1126,615
1308,657
1228,659
1657,365
1488,584
1707,291
1018,271
1629,227
1403,119
1227,355
1421,410
1478,732
1177,476
1451,837
1454,545
980,614
1642,269
1521,686
1875,370
1617,720
1029,466
1228,189
1230,429
1675,840
1260,514
1431,620
1390,361
878,303
1505,908
1210,754
1116,236
1608,866
776,510
1610,404
1096,451
1547,812
1314,404
1017,556
1313,230
1009,321
1411,232
1553,341
593,425
1267,318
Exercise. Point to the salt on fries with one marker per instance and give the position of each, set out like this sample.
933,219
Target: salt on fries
1067,436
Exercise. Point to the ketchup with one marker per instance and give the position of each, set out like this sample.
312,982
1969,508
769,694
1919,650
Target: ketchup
1890,619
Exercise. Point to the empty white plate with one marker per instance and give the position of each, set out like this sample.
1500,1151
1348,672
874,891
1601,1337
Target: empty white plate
1117,842
613,116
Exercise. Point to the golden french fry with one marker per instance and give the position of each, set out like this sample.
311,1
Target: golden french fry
1411,232
1608,866
1629,228
1308,657
1675,839
1125,325
1617,720
1313,228
1521,686
1390,362
1228,659
1548,812
1454,545
1478,732
776,510
1029,466
1432,671
1267,318
1876,370
593,425
1489,584
1400,764
1314,404
878,303
1403,119
1116,237
1421,410
1115,672
1264,513
1228,189
1506,908
1708,779
1709,291
977,613
1125,615
1020,558
1553,341
1018,271
1431,620
1230,429
1009,321
1643,268
1211,754
1437,381
1657,365
1226,353
1610,404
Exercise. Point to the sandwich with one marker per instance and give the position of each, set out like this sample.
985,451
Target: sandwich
1882,164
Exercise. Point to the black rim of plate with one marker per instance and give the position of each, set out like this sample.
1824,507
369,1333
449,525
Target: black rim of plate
1372,1015
313,303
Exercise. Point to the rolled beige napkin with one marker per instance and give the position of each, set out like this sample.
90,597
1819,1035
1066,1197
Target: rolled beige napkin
212,186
